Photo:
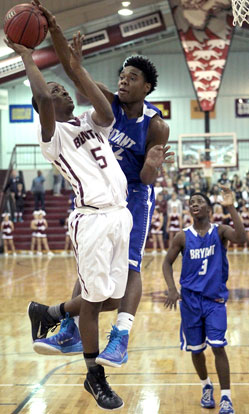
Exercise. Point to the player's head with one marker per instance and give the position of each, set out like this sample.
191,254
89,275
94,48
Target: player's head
137,78
199,205
63,103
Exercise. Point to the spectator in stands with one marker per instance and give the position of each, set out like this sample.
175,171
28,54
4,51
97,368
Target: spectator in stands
223,180
7,228
38,190
57,177
236,183
157,188
245,218
20,196
161,203
14,179
174,202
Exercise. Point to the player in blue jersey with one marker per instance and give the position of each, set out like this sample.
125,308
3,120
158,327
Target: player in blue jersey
138,139
204,293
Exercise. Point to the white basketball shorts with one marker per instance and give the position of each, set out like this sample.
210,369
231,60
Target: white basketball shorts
101,245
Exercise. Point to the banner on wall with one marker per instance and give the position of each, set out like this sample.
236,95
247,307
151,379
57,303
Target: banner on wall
21,113
165,108
197,113
205,30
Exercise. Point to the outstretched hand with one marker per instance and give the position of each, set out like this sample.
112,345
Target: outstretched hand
227,195
49,16
76,50
19,49
159,154
172,298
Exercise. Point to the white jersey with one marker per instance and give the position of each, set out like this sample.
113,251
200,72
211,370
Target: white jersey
80,150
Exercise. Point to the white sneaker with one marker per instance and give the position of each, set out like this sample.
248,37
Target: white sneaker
64,253
14,254
245,250
50,254
163,251
6,254
39,253
154,252
31,253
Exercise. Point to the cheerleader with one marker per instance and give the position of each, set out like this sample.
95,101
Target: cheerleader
41,235
218,216
7,228
157,231
33,226
174,224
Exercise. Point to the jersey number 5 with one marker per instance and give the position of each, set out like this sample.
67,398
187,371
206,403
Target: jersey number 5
204,266
99,158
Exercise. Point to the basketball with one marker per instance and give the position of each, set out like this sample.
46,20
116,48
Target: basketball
26,25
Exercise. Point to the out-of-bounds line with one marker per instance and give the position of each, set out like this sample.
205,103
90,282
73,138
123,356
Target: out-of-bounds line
40,385
20,279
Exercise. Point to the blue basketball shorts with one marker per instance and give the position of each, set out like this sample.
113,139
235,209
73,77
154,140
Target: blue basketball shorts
203,321
141,203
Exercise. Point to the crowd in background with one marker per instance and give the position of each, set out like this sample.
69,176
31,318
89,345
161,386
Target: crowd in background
173,189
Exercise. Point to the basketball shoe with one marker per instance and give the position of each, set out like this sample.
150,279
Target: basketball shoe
115,353
226,406
41,321
207,400
96,384
66,341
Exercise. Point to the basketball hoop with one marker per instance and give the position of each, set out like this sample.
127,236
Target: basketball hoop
240,12
207,168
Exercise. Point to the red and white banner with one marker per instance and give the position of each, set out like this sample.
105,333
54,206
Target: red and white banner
205,30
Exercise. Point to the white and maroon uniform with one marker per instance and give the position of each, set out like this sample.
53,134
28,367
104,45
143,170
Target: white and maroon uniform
186,221
7,232
100,224
41,228
217,218
174,222
245,219
156,224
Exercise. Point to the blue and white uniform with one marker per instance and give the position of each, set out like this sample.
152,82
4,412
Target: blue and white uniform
203,290
128,141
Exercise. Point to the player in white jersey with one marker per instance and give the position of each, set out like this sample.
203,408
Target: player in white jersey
100,224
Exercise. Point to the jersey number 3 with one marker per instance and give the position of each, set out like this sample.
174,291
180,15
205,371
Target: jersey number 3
99,158
204,266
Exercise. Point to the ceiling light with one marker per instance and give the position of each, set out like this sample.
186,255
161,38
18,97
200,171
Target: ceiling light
26,82
126,3
125,12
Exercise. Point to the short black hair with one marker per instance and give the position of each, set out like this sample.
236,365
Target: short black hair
203,196
146,66
34,103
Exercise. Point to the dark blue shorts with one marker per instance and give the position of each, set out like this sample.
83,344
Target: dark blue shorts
204,321
141,203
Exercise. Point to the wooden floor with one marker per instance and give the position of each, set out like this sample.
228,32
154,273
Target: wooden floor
158,378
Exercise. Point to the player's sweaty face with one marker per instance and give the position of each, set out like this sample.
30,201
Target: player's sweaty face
198,206
132,86
60,94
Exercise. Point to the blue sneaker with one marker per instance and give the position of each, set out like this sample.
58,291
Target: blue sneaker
67,341
115,353
226,406
207,400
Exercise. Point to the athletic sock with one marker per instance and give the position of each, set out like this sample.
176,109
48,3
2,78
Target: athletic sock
57,312
206,382
227,393
90,359
125,321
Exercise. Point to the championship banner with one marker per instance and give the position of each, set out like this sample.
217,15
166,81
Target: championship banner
205,30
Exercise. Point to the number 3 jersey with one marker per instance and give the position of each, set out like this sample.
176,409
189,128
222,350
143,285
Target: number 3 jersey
80,150
205,264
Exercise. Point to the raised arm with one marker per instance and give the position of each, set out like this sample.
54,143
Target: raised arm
178,244
60,44
39,88
238,234
156,150
103,114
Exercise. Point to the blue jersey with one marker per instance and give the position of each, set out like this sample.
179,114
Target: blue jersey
204,264
128,139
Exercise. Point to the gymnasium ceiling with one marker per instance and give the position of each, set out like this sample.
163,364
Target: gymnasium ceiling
92,15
